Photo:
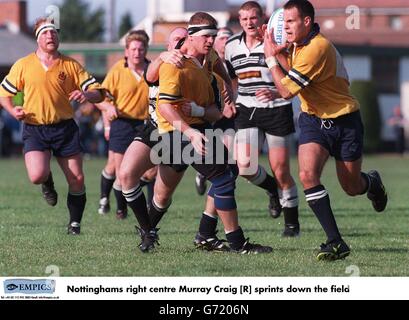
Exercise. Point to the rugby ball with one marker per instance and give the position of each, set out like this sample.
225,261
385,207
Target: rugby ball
276,22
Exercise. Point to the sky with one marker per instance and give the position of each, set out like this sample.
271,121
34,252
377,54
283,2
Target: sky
137,8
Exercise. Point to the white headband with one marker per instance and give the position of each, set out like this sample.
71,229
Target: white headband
224,33
45,27
202,30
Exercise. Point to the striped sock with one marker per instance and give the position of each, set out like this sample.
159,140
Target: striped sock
318,200
136,200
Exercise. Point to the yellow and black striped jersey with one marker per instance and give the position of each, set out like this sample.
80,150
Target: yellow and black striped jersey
318,75
128,91
46,91
176,86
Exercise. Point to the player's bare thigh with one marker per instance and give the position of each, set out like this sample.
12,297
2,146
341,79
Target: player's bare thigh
38,165
134,164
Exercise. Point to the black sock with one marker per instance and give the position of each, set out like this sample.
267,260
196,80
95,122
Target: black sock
207,226
236,239
107,182
149,189
120,199
49,182
368,182
265,181
156,213
318,200
291,215
76,206
136,200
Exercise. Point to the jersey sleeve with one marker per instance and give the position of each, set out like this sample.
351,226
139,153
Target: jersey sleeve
84,80
111,90
169,85
306,68
13,82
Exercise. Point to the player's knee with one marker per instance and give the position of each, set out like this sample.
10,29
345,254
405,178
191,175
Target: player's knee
124,175
76,182
162,198
282,175
224,187
38,177
308,178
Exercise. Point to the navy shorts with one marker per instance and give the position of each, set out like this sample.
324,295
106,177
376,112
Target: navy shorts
276,121
122,133
342,136
62,138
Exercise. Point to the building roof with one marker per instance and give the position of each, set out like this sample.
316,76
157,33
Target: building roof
14,46
319,4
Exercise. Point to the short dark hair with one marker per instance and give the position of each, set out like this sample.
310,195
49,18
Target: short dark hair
203,18
305,8
252,5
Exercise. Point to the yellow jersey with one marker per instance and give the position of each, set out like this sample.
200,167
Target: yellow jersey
46,91
210,60
318,75
190,83
128,91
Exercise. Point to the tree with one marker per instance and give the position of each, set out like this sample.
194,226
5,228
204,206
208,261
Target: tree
366,94
78,23
126,24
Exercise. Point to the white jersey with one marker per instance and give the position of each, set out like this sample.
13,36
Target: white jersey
250,68
153,95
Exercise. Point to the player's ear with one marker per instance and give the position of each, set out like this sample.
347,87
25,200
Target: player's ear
307,21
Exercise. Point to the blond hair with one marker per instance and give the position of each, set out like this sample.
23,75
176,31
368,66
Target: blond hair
137,35
40,21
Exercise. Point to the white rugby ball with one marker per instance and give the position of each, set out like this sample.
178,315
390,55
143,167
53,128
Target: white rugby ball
276,22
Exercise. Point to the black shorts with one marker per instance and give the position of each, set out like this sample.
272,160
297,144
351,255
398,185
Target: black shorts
145,134
62,138
122,133
276,121
225,124
176,151
148,135
342,136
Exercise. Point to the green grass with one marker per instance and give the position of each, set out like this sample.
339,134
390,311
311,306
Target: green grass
33,235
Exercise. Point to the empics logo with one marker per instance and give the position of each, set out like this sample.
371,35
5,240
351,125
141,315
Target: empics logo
29,286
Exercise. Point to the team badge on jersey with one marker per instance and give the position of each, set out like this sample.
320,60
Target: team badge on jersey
62,76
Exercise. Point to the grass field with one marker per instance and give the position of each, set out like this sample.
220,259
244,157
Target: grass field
33,235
